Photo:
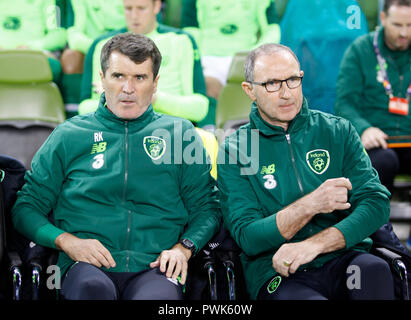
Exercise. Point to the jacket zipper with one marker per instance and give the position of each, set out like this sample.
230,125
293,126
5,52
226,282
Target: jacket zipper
124,195
300,185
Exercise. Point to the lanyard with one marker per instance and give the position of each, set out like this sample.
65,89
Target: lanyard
382,62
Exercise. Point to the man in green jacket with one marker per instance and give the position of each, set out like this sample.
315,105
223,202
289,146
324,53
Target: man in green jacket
374,90
303,204
181,88
129,210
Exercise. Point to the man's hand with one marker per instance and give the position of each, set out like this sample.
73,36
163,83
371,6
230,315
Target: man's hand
290,256
331,195
374,138
173,262
85,250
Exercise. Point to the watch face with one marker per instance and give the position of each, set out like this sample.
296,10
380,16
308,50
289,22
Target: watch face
187,244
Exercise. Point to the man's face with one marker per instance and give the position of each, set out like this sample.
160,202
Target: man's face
397,27
280,107
141,15
129,87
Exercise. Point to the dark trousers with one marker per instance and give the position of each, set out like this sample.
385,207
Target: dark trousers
87,282
389,163
351,276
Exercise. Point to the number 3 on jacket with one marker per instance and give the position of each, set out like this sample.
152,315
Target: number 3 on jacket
270,182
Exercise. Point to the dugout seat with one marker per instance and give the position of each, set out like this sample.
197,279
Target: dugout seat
31,105
233,105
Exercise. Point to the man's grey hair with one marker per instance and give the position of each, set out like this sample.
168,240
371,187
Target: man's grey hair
264,49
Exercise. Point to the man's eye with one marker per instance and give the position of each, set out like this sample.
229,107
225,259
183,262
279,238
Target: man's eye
274,83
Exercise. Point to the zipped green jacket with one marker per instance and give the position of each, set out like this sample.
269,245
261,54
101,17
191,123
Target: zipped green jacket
262,169
361,97
124,183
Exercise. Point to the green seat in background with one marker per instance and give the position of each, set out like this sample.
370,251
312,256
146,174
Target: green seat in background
233,105
31,105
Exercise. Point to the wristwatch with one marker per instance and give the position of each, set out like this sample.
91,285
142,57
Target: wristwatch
188,244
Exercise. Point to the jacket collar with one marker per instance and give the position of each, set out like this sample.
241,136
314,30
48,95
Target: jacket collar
257,122
110,120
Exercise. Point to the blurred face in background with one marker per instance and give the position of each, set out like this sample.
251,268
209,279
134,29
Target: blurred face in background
141,15
397,27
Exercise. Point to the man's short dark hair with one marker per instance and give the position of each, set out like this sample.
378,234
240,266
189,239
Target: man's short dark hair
137,47
389,3
268,48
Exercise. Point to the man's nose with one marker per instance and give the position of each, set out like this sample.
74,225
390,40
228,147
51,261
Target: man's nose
135,14
128,86
284,91
405,31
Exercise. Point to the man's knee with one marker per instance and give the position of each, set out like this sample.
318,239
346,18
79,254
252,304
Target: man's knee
214,87
85,282
384,160
376,280
72,61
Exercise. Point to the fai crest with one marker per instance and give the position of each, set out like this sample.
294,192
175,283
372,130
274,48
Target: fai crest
155,147
318,160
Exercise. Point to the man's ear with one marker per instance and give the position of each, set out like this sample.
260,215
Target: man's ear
248,89
155,83
102,79
383,16
157,6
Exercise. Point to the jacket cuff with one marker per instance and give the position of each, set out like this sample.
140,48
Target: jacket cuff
47,234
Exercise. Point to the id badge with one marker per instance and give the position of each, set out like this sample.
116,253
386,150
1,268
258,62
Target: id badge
398,106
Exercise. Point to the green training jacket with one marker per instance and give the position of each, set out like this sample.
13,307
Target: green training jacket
33,23
286,166
124,183
224,27
361,97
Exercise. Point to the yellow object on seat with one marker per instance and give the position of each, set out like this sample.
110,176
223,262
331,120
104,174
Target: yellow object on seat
211,146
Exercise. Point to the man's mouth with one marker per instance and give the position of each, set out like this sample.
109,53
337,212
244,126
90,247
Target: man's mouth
127,102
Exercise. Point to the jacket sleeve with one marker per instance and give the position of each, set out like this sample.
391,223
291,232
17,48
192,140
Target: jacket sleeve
369,199
350,87
54,36
87,79
77,39
40,192
192,103
268,22
199,192
254,231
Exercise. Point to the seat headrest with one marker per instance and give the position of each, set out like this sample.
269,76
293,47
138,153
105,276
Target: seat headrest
236,71
24,66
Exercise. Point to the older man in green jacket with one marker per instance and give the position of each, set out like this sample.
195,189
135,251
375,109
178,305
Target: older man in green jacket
303,204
